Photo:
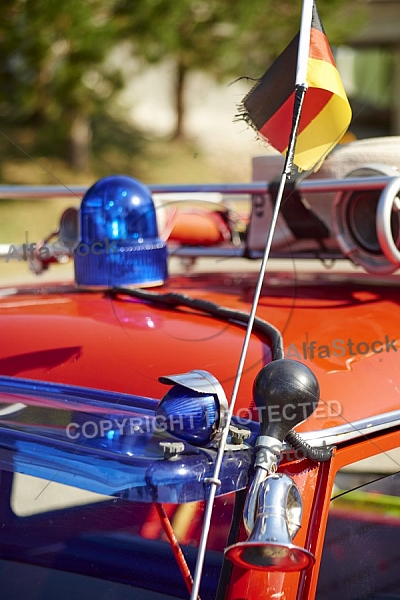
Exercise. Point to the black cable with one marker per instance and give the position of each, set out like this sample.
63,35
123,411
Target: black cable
316,454
175,299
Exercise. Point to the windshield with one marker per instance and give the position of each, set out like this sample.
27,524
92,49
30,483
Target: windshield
99,547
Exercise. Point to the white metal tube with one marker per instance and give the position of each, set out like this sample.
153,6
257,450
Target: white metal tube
28,192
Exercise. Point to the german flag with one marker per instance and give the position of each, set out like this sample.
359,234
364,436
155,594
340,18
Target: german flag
326,113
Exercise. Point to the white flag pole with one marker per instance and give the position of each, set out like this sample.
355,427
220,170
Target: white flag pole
304,42
301,82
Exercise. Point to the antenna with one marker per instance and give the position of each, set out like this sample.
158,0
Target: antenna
214,481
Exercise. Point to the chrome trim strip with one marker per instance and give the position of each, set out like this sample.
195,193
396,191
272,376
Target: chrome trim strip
334,436
239,252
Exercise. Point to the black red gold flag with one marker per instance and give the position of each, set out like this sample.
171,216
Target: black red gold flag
326,113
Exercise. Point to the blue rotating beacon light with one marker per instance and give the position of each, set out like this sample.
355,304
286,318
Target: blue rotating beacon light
118,241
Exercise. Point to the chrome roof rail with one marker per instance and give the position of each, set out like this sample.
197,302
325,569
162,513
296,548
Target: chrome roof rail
32,192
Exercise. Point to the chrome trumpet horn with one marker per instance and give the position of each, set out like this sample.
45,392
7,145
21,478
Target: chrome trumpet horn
277,520
273,507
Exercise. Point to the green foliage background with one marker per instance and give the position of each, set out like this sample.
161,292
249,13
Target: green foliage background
57,87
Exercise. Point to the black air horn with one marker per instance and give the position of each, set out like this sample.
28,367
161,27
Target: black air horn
286,392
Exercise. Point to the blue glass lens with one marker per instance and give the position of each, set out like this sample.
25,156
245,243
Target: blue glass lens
189,415
119,243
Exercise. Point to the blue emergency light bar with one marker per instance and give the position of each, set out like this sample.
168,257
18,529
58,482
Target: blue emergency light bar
113,444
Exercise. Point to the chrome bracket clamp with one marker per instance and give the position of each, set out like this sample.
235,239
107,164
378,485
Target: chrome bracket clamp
266,462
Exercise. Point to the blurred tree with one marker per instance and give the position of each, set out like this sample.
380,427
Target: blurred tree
54,75
194,34
234,38
52,70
